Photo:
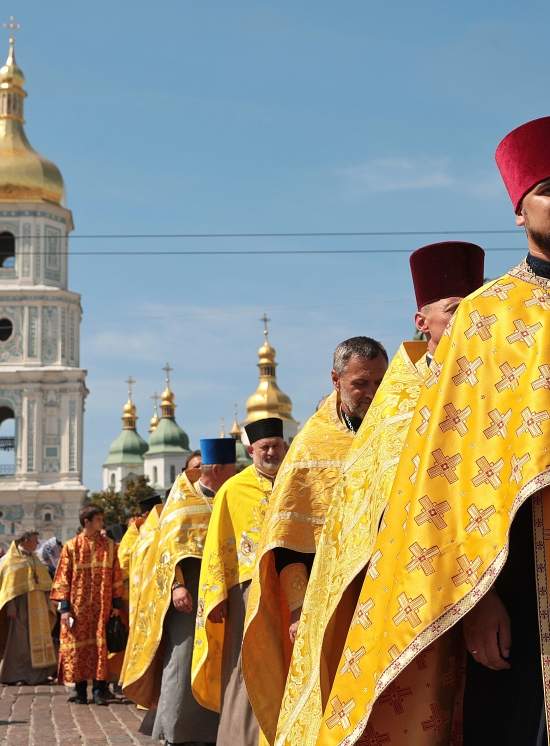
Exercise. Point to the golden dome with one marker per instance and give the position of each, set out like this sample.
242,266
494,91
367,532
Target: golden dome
24,174
129,415
153,423
268,400
235,431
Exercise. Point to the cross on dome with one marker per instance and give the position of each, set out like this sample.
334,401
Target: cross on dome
265,320
167,369
130,381
13,27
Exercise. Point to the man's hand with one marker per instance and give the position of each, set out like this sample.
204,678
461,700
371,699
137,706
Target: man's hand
66,617
182,599
488,633
218,613
294,622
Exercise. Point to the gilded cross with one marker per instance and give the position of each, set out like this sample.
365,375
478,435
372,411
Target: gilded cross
352,661
517,467
524,333
265,321
541,298
480,325
372,571
544,381
155,399
394,652
499,291
435,372
167,370
362,613
130,381
479,519
432,512
456,419
488,472
467,371
13,27
499,424
340,710
510,377
531,422
416,463
425,414
468,571
408,608
444,466
422,558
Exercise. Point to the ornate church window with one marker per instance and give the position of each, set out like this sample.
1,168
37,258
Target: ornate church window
6,329
7,250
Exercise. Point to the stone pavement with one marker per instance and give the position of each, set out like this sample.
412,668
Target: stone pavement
41,716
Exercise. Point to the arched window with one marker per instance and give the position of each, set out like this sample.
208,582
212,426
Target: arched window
7,441
7,250
113,480
155,475
172,474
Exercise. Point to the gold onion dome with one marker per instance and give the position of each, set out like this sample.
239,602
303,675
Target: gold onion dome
129,447
25,175
268,400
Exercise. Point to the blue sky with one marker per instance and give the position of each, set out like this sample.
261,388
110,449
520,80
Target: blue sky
190,117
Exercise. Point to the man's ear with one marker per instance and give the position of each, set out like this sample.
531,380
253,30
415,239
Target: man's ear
420,322
520,219
250,450
335,379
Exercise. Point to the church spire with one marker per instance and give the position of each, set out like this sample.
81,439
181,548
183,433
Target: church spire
154,421
129,412
167,398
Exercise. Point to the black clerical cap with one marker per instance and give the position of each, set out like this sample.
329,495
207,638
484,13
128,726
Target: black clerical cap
270,427
149,503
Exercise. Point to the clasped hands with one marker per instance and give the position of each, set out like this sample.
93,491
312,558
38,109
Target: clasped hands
182,599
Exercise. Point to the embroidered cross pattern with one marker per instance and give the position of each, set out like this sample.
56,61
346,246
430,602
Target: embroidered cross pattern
340,714
395,696
543,382
352,661
438,720
517,467
488,472
510,377
498,424
372,571
394,652
524,333
408,608
480,325
479,519
540,298
500,291
456,419
372,737
467,371
422,558
362,613
531,422
432,513
444,466
435,372
425,414
468,571
416,463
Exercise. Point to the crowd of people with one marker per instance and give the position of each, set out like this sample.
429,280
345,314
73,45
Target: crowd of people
383,579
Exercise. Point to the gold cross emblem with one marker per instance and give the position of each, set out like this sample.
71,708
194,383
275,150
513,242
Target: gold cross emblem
432,512
422,558
408,608
340,711
531,422
352,661
510,377
425,414
541,298
467,371
488,472
517,467
544,381
435,372
498,291
444,466
524,333
456,419
416,463
479,519
372,571
468,571
499,424
394,652
480,325
362,614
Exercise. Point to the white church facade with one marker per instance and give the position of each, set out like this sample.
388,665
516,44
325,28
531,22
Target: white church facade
42,387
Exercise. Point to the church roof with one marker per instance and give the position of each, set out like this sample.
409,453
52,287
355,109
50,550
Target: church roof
168,436
128,448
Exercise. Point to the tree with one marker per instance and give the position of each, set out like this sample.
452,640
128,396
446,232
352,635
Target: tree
120,506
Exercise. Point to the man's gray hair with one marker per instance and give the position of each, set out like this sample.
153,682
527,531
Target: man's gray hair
364,347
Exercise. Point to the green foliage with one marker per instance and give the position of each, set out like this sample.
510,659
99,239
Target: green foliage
120,506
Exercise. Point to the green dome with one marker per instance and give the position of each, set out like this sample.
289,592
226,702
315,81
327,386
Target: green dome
128,448
242,454
168,436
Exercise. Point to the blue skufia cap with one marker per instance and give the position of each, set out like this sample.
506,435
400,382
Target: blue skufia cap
218,451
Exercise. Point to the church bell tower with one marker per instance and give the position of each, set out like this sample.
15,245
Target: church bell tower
42,387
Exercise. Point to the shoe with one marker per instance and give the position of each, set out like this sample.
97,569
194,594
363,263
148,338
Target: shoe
100,699
76,700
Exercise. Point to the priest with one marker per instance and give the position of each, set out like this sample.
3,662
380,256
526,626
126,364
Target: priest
157,671
229,559
442,274
294,519
465,535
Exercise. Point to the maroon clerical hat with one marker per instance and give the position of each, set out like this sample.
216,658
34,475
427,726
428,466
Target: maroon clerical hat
446,270
523,158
